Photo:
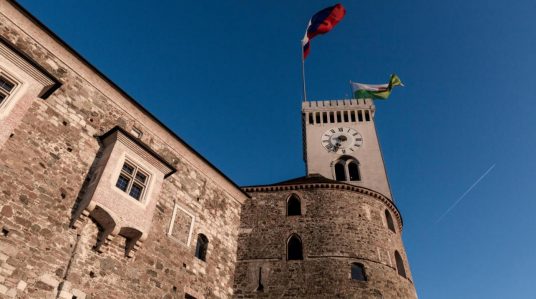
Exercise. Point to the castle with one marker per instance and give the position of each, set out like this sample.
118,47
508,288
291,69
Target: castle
99,199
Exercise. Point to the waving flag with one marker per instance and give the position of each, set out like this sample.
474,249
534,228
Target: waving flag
381,91
322,22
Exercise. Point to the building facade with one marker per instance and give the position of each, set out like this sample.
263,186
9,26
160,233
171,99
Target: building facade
99,199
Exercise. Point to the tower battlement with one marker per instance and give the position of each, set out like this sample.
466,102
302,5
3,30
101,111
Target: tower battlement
338,104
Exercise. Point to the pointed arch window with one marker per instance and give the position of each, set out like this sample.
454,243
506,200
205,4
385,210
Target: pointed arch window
400,264
201,247
358,272
346,168
294,248
293,206
390,223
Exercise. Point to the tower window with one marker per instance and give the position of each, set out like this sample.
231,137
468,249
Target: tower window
389,220
293,206
331,117
339,117
325,117
352,116
294,248
345,114
201,247
353,171
6,87
340,173
311,120
360,115
400,265
346,169
132,180
317,117
367,115
358,272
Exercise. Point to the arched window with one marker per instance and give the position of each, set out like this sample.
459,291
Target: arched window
294,248
340,172
400,265
390,223
353,171
201,247
358,272
293,206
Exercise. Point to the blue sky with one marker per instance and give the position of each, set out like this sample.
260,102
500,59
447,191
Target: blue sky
225,75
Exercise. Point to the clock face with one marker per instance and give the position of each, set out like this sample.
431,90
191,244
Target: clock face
341,140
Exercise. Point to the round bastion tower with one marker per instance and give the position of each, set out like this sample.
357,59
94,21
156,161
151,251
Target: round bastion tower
334,233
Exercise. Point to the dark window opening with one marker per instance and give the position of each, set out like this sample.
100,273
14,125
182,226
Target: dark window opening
293,206
325,117
2,97
358,272
360,115
6,84
132,180
318,117
201,247
340,174
339,116
331,117
367,115
311,120
353,171
400,265
294,250
390,223
352,116
345,114
260,286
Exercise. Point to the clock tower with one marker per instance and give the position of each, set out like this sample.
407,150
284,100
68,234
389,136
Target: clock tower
340,143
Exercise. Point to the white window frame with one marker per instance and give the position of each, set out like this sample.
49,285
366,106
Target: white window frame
172,224
125,194
7,104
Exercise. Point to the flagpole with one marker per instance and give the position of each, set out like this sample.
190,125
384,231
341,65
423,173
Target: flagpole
303,73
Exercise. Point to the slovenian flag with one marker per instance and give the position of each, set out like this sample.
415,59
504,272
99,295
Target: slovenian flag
380,91
322,22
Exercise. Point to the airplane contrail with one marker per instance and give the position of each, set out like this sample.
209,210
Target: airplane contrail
465,193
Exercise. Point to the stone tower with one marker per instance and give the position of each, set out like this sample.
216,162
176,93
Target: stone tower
334,233
341,143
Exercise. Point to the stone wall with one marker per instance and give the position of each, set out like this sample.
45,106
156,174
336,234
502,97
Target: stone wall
337,228
49,158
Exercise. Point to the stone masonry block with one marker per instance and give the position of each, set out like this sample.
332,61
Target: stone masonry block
3,289
21,286
79,294
49,280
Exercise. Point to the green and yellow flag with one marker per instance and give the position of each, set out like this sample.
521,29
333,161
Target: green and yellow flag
379,91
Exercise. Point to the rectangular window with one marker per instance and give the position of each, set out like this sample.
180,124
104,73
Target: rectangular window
318,117
325,117
367,115
339,116
132,180
311,120
352,116
360,115
6,86
345,113
331,117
